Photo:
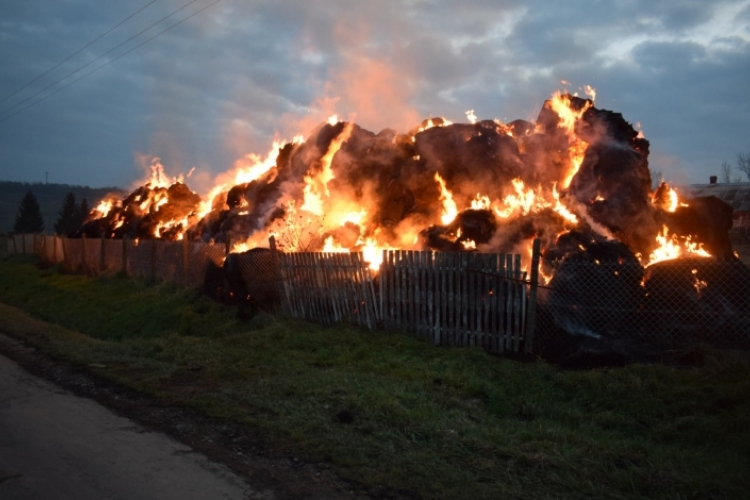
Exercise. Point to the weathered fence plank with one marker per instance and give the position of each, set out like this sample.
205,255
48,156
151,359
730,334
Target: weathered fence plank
329,287
457,298
447,298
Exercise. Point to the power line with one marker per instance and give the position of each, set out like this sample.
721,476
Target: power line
113,60
94,60
79,50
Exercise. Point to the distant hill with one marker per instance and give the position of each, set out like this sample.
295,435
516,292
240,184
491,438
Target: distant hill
50,197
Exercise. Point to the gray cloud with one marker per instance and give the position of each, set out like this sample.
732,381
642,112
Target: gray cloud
222,84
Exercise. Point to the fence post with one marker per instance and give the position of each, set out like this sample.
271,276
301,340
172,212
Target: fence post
54,248
153,260
102,258
23,242
277,271
186,258
15,247
124,254
528,344
63,238
83,252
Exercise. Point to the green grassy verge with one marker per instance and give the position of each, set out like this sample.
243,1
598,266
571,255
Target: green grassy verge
394,411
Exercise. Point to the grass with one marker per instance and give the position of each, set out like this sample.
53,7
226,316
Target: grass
393,411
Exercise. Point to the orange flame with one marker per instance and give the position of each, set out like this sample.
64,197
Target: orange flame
670,247
103,208
450,210
561,104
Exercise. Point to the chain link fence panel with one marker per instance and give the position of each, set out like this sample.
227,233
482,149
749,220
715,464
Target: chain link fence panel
46,254
170,262
72,255
254,274
92,256
669,304
29,243
112,256
138,254
18,243
202,258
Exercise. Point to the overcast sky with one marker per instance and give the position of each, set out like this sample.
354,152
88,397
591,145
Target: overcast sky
226,81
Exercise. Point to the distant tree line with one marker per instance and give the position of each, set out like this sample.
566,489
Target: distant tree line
743,165
71,217
50,197
29,218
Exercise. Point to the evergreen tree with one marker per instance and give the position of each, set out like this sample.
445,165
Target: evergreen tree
67,217
82,212
29,218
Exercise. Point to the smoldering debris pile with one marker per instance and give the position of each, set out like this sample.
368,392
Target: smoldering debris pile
578,178
151,211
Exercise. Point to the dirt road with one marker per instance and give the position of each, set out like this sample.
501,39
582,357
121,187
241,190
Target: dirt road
54,444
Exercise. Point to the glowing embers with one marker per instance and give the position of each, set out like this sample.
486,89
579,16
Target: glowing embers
562,105
240,247
249,168
430,123
699,284
102,209
561,209
372,251
450,210
524,201
316,184
158,178
673,247
667,198
480,202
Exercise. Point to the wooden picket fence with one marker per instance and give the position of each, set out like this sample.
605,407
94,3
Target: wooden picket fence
460,298
447,298
328,287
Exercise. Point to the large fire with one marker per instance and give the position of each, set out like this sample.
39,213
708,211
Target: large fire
477,186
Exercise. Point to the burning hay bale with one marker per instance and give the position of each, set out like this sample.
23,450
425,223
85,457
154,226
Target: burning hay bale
247,279
483,186
595,288
148,212
577,178
706,219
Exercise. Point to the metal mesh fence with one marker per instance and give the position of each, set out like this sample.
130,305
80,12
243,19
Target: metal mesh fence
201,256
669,304
52,251
254,273
112,256
29,243
139,258
72,255
175,261
18,244
170,262
92,256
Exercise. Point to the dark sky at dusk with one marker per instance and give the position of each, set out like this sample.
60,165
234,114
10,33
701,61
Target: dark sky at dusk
225,82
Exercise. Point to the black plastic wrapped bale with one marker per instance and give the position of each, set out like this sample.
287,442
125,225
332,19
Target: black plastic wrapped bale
595,291
699,299
258,276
